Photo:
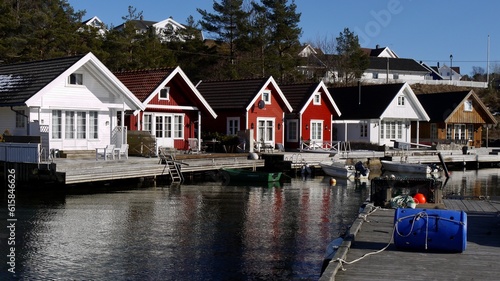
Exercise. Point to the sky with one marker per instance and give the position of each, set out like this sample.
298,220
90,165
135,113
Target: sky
424,30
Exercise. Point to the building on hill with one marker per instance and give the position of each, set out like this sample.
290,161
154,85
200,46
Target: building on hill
167,29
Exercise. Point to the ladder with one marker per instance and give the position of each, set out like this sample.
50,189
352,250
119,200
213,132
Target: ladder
173,167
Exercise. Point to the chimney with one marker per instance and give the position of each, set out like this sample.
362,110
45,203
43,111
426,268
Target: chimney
438,64
377,46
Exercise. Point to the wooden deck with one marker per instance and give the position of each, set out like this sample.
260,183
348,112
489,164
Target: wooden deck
478,262
89,170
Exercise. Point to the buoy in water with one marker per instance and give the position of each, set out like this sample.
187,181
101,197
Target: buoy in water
333,181
419,198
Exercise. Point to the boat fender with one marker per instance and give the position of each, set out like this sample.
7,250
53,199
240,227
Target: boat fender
253,156
331,249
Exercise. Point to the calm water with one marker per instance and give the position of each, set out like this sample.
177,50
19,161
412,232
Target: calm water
193,232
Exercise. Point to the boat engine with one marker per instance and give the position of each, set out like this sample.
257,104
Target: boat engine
360,168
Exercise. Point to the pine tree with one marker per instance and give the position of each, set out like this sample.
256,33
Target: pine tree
38,29
229,24
351,61
284,43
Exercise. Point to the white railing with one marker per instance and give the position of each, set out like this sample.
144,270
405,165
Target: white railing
20,152
472,84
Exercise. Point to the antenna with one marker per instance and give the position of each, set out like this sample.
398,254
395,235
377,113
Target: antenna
488,63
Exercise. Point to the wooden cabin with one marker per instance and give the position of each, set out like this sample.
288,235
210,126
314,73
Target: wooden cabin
455,117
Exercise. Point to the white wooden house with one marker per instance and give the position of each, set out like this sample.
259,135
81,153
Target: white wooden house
72,103
376,114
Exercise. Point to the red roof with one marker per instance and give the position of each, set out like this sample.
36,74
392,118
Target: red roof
142,83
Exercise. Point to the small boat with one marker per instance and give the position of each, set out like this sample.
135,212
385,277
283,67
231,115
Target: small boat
242,175
341,170
404,167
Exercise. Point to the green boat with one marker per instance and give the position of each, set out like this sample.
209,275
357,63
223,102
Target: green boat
242,175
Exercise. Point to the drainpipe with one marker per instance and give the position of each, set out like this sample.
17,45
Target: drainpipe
27,119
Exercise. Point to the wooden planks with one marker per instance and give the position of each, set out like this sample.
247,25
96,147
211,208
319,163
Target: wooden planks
478,262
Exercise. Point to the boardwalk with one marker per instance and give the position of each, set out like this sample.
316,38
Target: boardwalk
478,262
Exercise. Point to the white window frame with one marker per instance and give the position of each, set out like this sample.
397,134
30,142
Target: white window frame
168,125
56,125
164,94
75,79
317,99
75,125
266,96
232,125
468,105
147,122
316,130
401,100
266,130
363,130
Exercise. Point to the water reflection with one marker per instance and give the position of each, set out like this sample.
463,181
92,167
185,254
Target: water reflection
204,231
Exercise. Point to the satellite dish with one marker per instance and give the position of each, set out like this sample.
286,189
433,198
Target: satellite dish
261,104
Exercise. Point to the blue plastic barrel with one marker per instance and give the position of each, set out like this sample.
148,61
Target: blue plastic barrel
430,230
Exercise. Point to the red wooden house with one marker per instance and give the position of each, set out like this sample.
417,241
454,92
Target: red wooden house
257,106
173,105
312,116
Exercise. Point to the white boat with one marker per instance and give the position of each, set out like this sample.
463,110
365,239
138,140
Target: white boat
404,167
341,170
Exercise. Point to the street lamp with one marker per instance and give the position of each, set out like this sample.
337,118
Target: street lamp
451,67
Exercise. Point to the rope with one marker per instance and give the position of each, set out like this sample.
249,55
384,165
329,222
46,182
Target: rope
365,216
395,229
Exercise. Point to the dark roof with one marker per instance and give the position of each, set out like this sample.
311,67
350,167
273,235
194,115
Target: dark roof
439,106
373,52
19,82
231,94
396,64
298,94
139,24
142,83
365,102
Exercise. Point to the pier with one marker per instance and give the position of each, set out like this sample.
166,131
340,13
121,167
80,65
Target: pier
370,242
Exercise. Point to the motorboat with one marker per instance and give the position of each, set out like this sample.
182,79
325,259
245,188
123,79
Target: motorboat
405,167
342,170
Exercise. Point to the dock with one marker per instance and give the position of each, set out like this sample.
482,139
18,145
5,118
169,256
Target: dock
74,171
371,242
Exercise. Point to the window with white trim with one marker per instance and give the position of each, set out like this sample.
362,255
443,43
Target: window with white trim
166,125
363,130
317,99
316,130
233,125
468,105
164,93
56,124
178,126
401,100
266,97
75,124
265,130
147,123
375,75
93,125
159,126
75,79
